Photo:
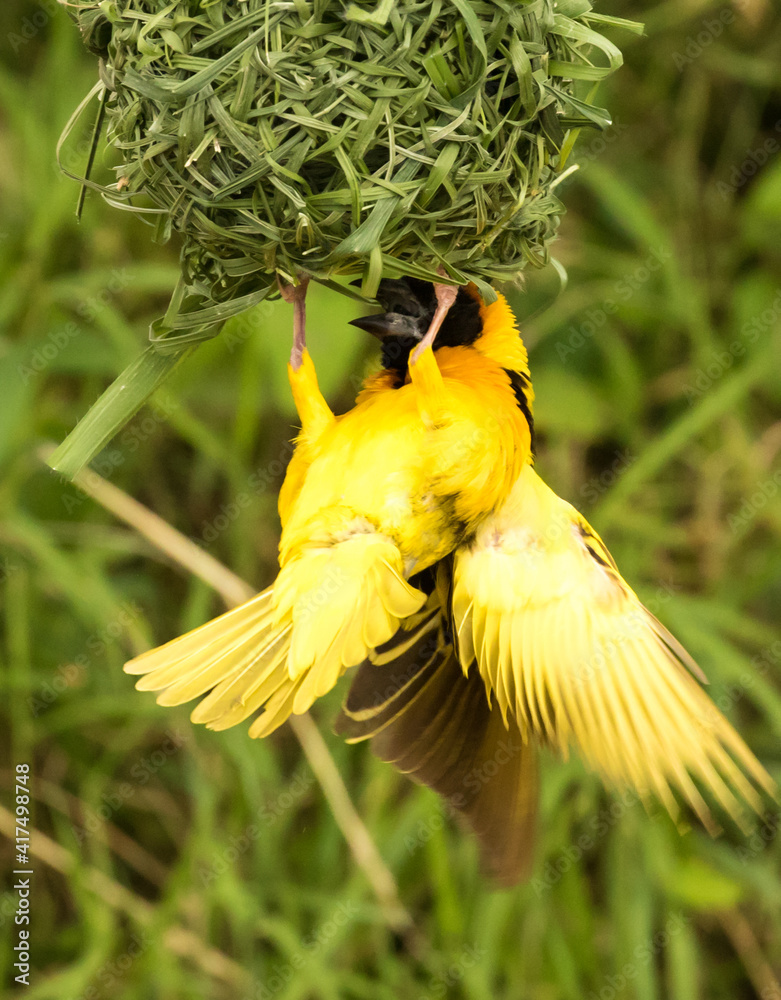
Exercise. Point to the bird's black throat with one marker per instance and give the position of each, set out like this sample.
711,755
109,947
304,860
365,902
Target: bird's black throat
395,355
410,304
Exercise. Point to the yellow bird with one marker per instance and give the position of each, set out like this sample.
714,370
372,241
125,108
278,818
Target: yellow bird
484,614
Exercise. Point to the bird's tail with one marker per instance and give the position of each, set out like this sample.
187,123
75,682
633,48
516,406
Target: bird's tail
565,646
433,723
288,645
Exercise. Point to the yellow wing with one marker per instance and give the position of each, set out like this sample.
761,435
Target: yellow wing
290,644
568,650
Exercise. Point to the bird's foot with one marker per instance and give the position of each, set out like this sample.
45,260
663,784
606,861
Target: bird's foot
296,294
446,296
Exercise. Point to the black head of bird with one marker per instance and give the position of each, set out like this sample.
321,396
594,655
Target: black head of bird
409,305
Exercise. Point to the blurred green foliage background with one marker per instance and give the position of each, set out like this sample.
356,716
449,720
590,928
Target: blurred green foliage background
659,411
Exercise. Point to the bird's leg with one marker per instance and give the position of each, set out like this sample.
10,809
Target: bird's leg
446,296
297,295
314,412
424,371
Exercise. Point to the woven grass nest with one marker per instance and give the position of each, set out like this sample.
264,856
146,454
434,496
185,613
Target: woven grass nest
330,138
343,138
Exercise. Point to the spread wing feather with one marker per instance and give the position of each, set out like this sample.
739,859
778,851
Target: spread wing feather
289,645
566,648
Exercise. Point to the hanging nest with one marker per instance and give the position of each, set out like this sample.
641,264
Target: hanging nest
331,138
342,138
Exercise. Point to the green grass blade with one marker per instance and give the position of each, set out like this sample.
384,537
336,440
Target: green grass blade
123,398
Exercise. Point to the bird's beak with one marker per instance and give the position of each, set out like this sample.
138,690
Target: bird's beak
385,325
378,325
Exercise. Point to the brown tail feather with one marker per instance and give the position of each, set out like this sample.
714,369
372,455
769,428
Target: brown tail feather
434,724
